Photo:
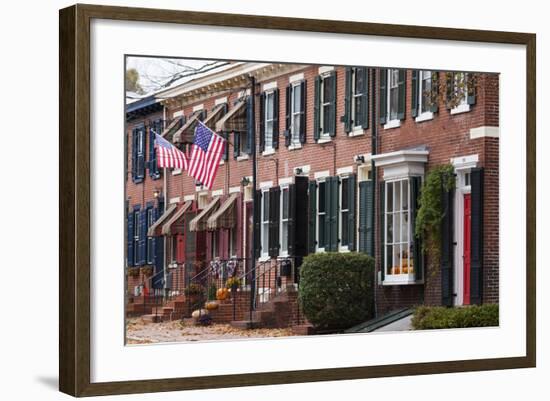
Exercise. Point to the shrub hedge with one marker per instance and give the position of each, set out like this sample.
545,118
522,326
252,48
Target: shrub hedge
438,317
336,289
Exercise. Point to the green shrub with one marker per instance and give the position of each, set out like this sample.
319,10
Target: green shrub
336,289
429,317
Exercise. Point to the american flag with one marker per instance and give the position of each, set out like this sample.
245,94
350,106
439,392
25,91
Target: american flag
168,156
208,149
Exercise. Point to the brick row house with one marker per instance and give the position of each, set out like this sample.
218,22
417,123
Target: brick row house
342,153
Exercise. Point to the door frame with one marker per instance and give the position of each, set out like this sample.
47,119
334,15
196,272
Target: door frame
463,166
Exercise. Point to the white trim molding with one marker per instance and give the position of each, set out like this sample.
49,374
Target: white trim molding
465,162
198,107
174,200
326,68
403,163
217,192
484,132
269,86
266,184
344,170
178,113
220,100
189,198
321,174
286,180
233,190
296,78
305,170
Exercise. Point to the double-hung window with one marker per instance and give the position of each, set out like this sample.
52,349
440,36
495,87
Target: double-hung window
460,95
393,94
398,233
296,113
358,96
265,223
269,118
150,240
326,103
215,244
284,213
321,215
343,233
233,242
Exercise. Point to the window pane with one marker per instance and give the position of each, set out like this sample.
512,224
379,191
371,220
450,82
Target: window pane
389,259
326,118
285,204
358,78
389,197
269,106
426,90
344,189
405,198
393,103
296,127
296,98
397,196
268,133
321,229
405,226
321,197
284,240
357,109
389,228
327,95
266,206
344,224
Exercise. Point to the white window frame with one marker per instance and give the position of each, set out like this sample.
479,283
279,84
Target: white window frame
323,135
356,129
268,145
173,249
463,106
423,115
391,123
407,277
282,220
295,130
264,225
318,213
341,211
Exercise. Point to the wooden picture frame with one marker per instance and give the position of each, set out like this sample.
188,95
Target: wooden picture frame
75,205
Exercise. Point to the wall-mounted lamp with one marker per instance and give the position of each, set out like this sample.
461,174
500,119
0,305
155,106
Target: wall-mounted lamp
359,159
156,193
245,181
298,171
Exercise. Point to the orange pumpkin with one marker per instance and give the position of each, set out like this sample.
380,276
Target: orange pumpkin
222,293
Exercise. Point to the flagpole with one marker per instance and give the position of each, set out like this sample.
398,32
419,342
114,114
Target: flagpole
254,197
165,195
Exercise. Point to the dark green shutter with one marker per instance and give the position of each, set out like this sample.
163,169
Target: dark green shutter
299,215
476,237
249,125
471,95
274,216
303,105
262,121
332,105
401,99
236,144
130,238
275,142
292,219
382,229
257,223
447,249
415,92
142,242
346,118
317,109
352,182
364,88
312,232
225,154
332,212
418,257
366,229
383,96
134,154
288,114
434,98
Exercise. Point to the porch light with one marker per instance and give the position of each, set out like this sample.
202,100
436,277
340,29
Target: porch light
245,181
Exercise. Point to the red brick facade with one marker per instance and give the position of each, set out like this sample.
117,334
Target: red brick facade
445,136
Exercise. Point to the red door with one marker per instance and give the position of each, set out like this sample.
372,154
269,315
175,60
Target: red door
467,242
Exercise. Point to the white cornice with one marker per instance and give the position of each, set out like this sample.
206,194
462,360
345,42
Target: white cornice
401,156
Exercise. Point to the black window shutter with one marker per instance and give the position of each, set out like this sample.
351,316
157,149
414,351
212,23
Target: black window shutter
382,228
303,94
364,115
292,219
299,215
434,98
383,96
352,180
317,109
332,107
366,229
288,111
312,215
275,142
274,207
142,243
418,256
415,92
447,249
328,214
134,154
257,217
471,95
262,121
130,238
158,246
346,118
476,238
236,144
140,159
334,211
249,124
225,154
401,100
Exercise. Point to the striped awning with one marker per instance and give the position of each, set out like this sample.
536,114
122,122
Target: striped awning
169,130
187,132
174,225
215,115
225,216
157,224
234,120
199,222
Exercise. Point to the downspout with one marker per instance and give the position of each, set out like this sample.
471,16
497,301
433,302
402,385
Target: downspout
374,145
255,205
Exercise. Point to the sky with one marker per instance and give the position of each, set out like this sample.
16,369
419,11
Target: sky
154,71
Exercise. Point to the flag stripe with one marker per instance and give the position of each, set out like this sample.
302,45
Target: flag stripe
168,156
206,153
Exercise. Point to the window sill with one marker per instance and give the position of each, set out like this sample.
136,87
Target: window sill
400,279
242,158
392,124
462,108
424,117
324,140
344,249
268,152
176,171
222,162
264,258
357,131
295,146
